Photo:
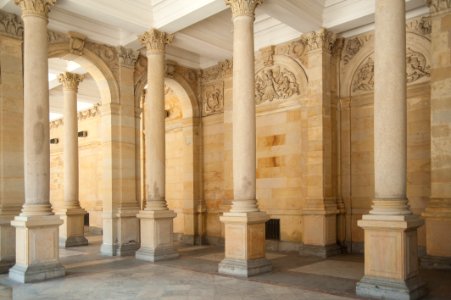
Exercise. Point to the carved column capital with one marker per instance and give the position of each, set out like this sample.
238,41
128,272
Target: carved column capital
39,8
243,7
437,6
127,57
70,81
321,39
156,40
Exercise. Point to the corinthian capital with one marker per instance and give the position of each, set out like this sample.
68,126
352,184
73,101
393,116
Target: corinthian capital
70,81
437,6
243,7
38,8
156,40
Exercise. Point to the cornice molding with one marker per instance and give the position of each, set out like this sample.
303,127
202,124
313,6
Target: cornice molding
438,6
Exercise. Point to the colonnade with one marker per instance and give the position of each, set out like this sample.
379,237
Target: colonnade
391,268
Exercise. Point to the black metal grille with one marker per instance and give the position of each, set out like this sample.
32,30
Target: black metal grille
86,220
272,228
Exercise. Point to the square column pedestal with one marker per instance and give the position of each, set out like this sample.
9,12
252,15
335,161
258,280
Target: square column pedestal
72,231
37,251
157,242
391,258
244,244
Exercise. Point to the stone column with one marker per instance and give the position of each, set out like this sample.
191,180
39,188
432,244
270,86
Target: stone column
245,223
391,263
438,212
156,219
72,231
37,255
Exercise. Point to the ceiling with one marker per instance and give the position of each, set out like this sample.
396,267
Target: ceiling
203,28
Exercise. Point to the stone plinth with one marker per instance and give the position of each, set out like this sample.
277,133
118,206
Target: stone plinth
391,258
156,235
72,232
244,244
37,252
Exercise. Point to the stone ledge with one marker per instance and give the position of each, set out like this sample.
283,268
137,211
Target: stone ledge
436,262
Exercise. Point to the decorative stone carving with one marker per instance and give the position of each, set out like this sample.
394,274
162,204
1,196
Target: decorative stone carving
274,83
127,57
155,40
213,99
337,48
170,68
417,66
243,7
40,8
217,72
57,37
352,47
321,39
364,76
76,42
70,81
81,115
11,24
267,54
422,25
107,53
439,5
295,49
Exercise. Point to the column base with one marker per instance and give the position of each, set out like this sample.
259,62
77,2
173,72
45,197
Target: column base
71,233
244,268
321,251
436,262
391,257
120,232
244,244
383,288
156,235
40,272
37,252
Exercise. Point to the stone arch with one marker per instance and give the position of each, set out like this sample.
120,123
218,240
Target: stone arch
102,74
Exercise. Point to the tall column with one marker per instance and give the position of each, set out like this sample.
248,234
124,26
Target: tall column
72,231
245,223
391,263
156,219
438,212
37,256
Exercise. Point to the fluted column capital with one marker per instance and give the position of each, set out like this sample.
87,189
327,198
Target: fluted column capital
243,7
437,6
155,40
70,81
39,8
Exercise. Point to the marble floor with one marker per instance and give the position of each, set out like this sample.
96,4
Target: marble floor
194,276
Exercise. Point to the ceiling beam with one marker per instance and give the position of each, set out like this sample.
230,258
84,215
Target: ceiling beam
174,15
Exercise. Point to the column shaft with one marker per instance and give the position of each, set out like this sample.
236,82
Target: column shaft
244,132
155,132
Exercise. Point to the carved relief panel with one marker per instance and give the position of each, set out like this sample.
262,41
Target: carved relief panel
275,83
213,98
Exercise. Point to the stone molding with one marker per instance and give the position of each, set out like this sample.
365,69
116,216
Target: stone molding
57,37
421,25
320,40
155,40
243,7
11,24
437,6
127,56
107,53
218,72
70,81
81,115
38,8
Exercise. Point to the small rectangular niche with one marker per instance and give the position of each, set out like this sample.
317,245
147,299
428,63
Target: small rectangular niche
83,133
272,229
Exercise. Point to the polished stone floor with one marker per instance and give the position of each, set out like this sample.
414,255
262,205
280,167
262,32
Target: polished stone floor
194,276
